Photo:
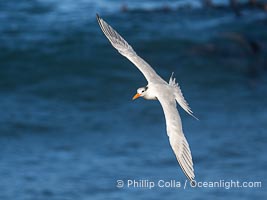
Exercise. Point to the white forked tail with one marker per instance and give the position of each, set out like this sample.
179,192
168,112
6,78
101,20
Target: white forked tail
179,96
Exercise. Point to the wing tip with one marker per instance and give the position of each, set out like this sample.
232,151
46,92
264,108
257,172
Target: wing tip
101,23
98,18
190,177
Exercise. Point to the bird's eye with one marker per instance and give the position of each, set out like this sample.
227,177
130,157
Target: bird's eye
142,91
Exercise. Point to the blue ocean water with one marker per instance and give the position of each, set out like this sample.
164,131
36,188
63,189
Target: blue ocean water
69,129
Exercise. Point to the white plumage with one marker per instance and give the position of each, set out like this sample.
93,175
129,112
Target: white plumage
166,94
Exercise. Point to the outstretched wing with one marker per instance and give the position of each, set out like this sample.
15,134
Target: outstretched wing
126,50
177,139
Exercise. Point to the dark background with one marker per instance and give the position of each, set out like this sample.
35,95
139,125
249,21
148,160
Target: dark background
68,126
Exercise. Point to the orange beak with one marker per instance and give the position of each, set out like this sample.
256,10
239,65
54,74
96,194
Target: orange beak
136,96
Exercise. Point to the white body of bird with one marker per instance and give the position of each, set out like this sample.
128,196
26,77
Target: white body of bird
158,89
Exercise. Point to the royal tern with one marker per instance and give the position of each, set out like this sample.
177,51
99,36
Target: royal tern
158,89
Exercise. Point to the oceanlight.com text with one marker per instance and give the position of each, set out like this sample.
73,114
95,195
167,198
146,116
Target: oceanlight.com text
149,184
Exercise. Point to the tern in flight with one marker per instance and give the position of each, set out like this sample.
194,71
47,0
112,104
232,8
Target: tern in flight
158,89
